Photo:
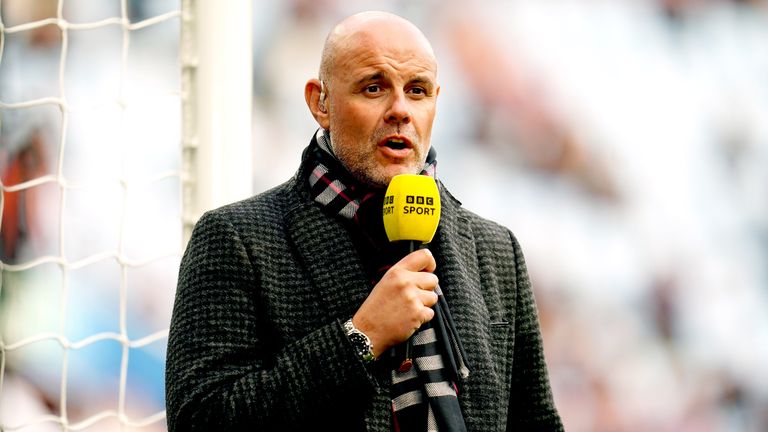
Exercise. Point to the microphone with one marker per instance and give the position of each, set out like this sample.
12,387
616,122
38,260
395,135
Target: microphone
411,214
411,209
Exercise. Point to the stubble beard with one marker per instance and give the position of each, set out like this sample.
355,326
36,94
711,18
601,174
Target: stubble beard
360,160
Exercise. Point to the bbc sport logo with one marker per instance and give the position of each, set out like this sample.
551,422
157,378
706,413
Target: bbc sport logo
419,200
414,204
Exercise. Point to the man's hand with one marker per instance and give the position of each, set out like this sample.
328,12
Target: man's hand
400,303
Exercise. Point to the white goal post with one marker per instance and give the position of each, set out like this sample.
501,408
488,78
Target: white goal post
217,56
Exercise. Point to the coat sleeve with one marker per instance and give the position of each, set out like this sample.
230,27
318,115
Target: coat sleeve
531,407
220,374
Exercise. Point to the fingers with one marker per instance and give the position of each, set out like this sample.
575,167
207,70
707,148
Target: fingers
427,297
426,316
425,281
429,313
401,302
419,260
414,270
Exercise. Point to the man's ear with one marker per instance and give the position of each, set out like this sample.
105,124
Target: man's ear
317,102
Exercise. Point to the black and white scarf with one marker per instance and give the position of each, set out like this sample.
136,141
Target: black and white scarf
424,397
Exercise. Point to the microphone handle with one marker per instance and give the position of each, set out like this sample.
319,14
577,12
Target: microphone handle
407,363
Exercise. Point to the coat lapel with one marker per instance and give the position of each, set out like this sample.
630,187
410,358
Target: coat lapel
457,266
330,259
458,270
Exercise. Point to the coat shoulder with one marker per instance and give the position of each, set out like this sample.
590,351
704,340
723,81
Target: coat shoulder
482,229
489,232
262,211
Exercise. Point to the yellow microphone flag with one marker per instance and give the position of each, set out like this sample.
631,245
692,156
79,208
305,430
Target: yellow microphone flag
411,208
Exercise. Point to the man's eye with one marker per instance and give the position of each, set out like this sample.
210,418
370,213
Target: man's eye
373,88
418,91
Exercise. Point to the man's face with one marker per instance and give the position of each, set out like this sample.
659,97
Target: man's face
381,102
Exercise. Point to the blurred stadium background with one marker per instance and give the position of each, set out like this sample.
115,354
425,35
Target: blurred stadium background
625,142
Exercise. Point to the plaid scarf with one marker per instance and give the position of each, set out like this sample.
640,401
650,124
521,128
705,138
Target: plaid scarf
424,397
333,187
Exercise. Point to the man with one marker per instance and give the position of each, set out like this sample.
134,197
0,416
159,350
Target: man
294,312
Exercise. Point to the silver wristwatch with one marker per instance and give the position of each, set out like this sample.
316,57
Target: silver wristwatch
360,342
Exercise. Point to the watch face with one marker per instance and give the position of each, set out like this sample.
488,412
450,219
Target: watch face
360,343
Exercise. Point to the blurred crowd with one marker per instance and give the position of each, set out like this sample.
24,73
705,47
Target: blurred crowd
624,143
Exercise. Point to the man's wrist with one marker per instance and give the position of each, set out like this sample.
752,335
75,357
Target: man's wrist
360,342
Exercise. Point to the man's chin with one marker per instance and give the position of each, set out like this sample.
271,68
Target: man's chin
380,178
377,174
387,173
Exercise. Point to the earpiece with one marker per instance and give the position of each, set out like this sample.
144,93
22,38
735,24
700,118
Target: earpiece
321,102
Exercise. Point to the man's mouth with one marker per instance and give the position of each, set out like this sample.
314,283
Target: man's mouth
395,143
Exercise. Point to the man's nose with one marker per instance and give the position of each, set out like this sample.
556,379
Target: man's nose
398,111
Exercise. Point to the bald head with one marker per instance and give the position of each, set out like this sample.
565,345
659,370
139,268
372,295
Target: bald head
376,95
369,27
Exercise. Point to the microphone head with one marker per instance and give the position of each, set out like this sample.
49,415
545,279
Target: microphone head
411,208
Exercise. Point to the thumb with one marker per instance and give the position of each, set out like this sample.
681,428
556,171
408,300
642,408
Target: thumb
419,260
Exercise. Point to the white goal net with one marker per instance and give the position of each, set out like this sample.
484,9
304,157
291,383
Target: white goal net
91,231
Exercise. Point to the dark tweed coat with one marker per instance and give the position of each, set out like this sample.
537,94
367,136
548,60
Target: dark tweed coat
256,340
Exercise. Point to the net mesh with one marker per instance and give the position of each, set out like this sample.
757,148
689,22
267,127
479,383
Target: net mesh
59,194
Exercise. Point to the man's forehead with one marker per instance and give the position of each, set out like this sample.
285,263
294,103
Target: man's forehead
375,22
387,35
366,53
369,38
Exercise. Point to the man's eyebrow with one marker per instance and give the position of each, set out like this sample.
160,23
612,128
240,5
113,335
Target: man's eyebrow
420,79
376,76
